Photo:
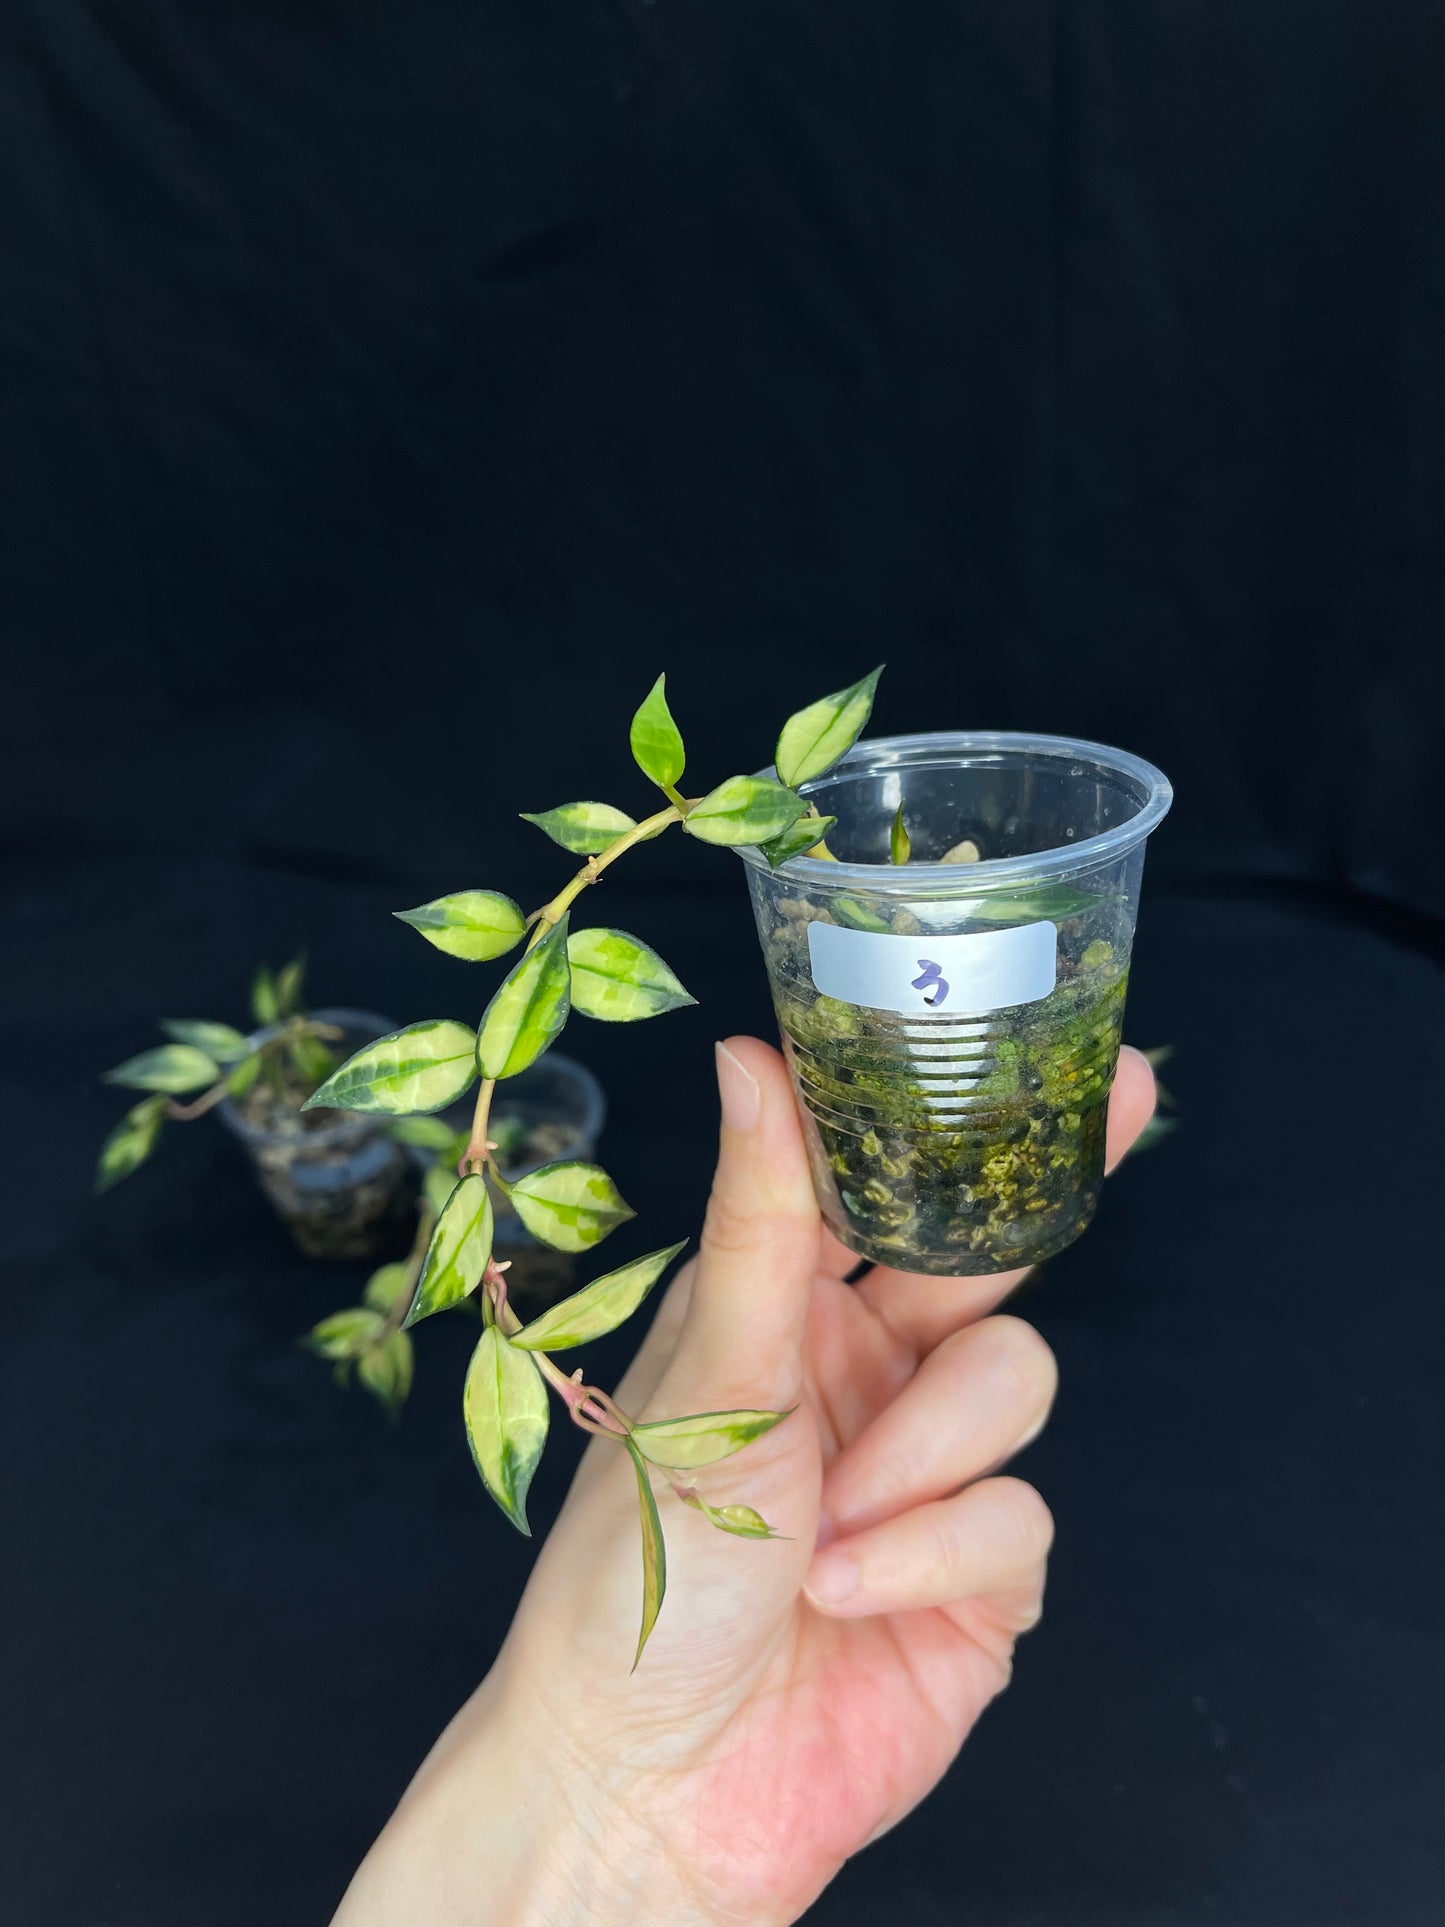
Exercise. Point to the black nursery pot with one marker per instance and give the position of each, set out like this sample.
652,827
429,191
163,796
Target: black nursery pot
342,1184
952,1029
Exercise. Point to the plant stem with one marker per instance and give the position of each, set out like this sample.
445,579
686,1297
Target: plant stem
552,913
478,1149
605,1420
207,1101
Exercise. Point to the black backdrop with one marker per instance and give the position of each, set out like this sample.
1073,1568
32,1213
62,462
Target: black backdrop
386,395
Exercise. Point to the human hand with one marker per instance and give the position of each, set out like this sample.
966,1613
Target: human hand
798,1696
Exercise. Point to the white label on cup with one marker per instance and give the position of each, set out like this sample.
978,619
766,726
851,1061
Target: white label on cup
927,976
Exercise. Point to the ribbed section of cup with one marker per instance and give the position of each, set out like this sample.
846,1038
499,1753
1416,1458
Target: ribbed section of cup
956,1146
937,1076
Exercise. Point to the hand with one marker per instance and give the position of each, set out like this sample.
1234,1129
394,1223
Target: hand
798,1696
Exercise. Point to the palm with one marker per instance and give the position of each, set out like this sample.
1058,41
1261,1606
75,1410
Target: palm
770,1730
812,1733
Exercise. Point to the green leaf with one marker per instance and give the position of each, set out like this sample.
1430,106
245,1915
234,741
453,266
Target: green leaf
475,925
385,1286
654,1551
805,833
620,980
656,744
569,1205
741,1520
1051,902
814,739
702,1439
220,1041
505,1406
314,1062
856,915
264,1007
424,1133
528,1010
244,1075
584,828
130,1143
458,1253
439,1184
598,1308
288,986
347,1334
174,1068
386,1371
744,809
422,1068
900,846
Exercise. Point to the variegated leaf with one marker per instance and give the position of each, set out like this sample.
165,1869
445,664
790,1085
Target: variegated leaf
656,743
288,986
439,1184
458,1253
313,1061
814,739
475,925
569,1205
174,1068
221,1041
386,1371
422,1068
346,1334
598,1308
263,996
703,1438
654,1550
130,1143
584,828
620,980
857,915
1051,902
744,809
505,1406
528,1010
244,1075
424,1133
741,1520
385,1285
805,834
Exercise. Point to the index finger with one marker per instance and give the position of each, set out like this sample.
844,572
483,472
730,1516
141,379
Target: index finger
922,1311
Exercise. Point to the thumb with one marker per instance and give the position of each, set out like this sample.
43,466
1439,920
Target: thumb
742,1340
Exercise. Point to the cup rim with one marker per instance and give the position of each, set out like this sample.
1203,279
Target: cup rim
347,1124
977,879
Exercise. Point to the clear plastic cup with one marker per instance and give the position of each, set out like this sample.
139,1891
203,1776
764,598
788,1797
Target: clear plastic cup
338,1180
952,1028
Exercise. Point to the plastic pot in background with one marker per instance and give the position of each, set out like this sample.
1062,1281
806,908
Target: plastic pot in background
952,1029
340,1182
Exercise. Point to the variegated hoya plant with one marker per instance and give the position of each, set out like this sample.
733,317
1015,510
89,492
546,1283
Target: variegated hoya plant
205,1061
570,1205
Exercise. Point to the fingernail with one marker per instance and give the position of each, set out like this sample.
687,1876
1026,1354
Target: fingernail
738,1090
832,1578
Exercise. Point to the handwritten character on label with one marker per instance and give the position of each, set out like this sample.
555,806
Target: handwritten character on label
932,982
